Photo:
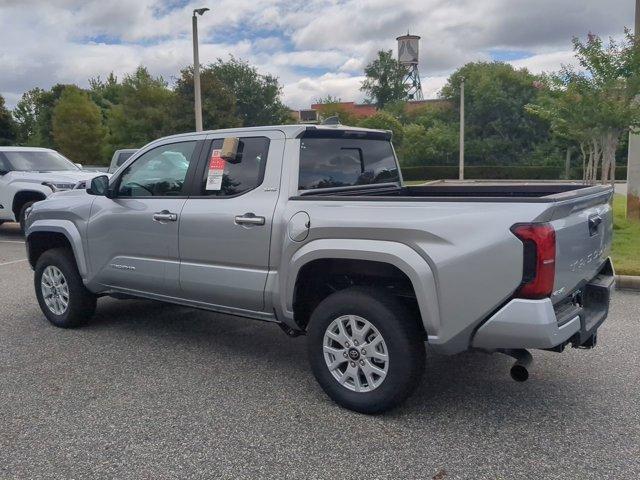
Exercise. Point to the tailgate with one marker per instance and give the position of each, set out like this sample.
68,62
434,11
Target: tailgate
584,231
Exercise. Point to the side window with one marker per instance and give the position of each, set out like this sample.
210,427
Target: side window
160,172
225,179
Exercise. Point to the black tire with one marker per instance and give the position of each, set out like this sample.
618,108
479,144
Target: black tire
22,215
81,303
401,333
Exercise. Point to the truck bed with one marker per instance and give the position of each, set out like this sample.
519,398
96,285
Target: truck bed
481,192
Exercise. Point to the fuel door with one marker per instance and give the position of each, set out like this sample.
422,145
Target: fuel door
299,227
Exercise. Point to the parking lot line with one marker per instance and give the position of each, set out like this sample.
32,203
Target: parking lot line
11,241
12,262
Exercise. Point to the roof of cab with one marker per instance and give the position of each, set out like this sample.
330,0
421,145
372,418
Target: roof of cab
290,131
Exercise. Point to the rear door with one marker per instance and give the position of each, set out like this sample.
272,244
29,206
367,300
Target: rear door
133,237
225,229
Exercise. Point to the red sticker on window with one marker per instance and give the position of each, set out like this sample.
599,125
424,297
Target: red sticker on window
216,171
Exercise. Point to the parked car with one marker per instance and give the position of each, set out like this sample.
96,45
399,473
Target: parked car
119,157
28,175
311,227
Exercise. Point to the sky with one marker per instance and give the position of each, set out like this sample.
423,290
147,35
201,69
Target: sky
315,47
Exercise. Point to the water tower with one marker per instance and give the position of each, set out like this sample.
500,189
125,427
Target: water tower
408,56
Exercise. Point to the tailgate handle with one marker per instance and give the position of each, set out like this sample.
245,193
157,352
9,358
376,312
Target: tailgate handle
594,223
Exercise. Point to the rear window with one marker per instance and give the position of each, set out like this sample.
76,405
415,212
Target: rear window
344,162
123,157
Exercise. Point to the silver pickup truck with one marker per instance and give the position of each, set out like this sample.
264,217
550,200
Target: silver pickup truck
311,227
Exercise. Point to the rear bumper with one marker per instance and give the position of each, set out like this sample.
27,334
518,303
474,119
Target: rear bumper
538,324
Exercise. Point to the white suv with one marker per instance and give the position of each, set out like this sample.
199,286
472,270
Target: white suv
28,175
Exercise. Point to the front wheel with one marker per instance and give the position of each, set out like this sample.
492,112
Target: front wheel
62,296
366,350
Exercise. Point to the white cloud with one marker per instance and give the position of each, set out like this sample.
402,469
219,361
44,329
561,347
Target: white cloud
49,41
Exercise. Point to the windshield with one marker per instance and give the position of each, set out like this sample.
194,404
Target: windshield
35,161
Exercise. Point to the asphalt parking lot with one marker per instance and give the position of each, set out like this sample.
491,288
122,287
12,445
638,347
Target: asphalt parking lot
155,391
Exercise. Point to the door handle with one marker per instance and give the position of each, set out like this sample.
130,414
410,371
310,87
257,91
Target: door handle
165,216
594,223
249,219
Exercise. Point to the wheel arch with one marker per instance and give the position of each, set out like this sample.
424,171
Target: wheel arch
23,196
377,257
44,235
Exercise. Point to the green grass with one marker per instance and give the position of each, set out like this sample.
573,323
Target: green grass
626,240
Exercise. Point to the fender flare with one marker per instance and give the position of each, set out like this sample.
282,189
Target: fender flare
70,231
397,254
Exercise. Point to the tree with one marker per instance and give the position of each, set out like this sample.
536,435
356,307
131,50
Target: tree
7,125
331,107
436,144
77,127
499,130
143,114
385,121
26,113
257,96
33,115
218,103
597,106
385,80
105,93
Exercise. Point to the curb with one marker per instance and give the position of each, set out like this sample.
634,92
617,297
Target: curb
627,282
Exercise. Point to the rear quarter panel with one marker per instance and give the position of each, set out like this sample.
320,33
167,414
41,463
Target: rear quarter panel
475,260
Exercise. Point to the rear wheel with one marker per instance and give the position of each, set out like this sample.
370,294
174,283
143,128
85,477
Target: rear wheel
62,296
365,349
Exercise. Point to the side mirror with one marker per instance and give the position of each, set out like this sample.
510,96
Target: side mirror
229,150
3,172
79,165
99,186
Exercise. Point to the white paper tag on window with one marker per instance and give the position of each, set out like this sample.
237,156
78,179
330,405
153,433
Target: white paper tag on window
216,171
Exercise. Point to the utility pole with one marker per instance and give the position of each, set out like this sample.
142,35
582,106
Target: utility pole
196,68
461,166
633,158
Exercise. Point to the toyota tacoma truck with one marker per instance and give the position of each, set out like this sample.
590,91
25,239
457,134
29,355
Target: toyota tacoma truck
312,228
30,174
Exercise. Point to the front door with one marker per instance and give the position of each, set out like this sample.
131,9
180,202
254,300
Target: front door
133,237
225,228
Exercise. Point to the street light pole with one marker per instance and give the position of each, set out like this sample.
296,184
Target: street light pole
633,157
461,166
196,68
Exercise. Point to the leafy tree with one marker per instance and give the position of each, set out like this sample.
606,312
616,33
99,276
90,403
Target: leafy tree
218,103
385,121
105,93
143,114
597,106
257,95
7,125
498,129
436,144
26,114
77,126
384,83
33,115
331,107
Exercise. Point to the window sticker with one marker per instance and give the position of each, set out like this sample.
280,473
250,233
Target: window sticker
216,170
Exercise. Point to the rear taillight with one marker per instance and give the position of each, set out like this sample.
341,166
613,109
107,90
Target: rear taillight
539,265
